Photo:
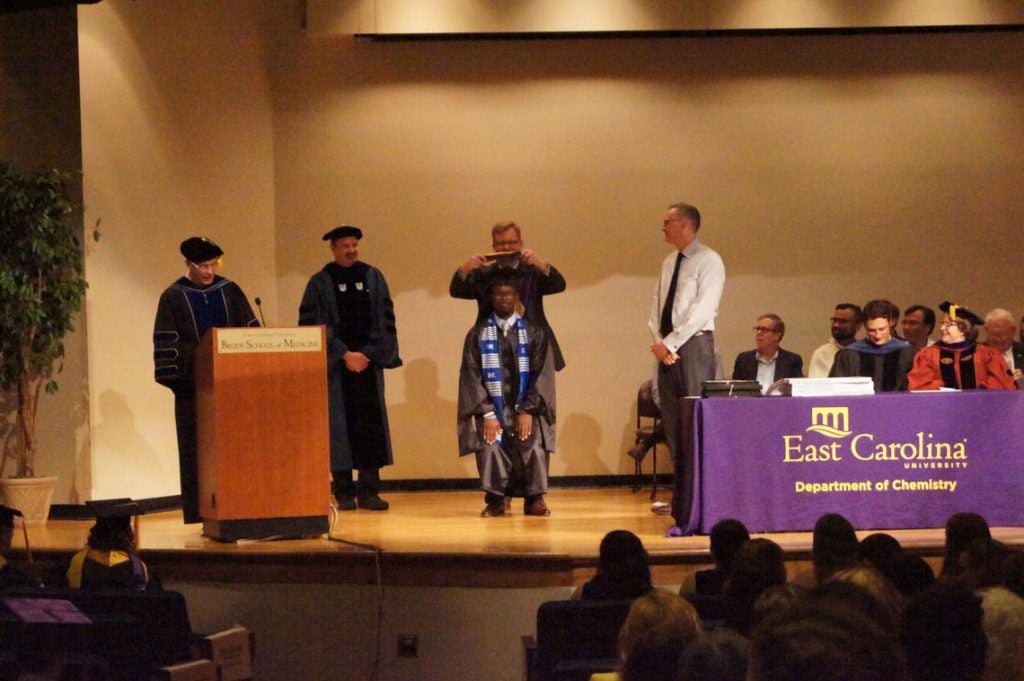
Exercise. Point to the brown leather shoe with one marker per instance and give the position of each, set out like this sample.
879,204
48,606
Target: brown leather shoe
536,506
493,510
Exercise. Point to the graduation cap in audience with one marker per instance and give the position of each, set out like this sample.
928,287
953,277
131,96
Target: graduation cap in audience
342,232
956,312
7,516
199,249
113,514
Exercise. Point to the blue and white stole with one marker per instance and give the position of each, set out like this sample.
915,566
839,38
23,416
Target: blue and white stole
490,360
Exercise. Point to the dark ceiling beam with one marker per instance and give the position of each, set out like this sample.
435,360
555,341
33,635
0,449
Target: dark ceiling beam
11,6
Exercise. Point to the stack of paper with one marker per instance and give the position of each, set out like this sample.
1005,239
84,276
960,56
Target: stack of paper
830,387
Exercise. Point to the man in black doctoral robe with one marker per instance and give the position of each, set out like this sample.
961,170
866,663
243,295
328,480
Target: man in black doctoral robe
195,303
351,299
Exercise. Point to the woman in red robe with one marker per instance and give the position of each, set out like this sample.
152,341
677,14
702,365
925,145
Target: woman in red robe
956,361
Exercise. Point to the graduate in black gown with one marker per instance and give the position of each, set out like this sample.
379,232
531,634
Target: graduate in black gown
110,560
189,307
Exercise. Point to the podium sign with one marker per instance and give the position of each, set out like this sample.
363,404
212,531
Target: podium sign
263,435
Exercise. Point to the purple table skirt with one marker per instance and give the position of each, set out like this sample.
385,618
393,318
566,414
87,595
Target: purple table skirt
887,461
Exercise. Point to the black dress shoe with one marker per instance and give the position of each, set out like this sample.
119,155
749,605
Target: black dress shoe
372,503
344,502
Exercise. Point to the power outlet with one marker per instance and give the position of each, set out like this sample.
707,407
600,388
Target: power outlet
408,645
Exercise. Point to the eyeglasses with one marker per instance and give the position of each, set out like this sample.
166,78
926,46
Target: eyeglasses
212,265
840,320
764,329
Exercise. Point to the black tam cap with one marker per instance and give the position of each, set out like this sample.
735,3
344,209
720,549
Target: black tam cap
200,249
503,276
113,514
956,312
342,232
7,516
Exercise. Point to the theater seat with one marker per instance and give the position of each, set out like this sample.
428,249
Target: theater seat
577,638
133,632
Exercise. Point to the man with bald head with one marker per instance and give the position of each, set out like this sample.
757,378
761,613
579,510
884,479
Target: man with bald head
999,330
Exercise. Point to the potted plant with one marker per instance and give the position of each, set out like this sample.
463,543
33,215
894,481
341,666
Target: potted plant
42,285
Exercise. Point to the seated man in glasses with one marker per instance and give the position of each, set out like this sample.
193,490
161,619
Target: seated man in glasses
768,363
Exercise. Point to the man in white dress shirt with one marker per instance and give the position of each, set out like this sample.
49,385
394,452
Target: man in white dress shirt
845,321
683,312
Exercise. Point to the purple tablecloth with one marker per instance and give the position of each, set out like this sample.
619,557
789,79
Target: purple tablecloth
887,461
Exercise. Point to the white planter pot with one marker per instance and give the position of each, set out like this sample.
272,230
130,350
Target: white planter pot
31,496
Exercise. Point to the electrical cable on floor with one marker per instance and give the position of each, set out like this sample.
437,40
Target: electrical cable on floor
333,515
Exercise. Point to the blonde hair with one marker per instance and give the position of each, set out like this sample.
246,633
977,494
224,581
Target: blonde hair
658,618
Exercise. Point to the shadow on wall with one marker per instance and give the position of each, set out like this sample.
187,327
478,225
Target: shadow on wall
579,440
423,427
124,447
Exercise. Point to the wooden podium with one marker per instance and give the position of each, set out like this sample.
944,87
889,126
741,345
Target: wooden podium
264,466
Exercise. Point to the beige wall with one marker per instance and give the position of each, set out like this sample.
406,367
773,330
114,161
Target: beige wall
177,140
828,168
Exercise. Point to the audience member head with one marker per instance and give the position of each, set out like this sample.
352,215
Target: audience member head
871,591
883,552
818,640
759,564
1003,622
718,655
7,515
983,563
113,528
942,633
961,529
623,560
776,599
1014,580
834,546
999,329
726,538
660,624
913,575
846,320
918,324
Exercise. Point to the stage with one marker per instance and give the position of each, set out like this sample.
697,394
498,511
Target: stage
438,539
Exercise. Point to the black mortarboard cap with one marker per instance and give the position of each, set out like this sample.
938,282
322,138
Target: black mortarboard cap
502,276
199,249
113,513
7,516
956,312
342,232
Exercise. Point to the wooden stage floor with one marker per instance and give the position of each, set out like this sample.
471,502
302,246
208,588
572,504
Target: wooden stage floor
438,539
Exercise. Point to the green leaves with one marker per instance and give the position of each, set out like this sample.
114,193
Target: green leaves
42,284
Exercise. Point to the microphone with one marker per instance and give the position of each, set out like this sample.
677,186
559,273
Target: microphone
259,307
